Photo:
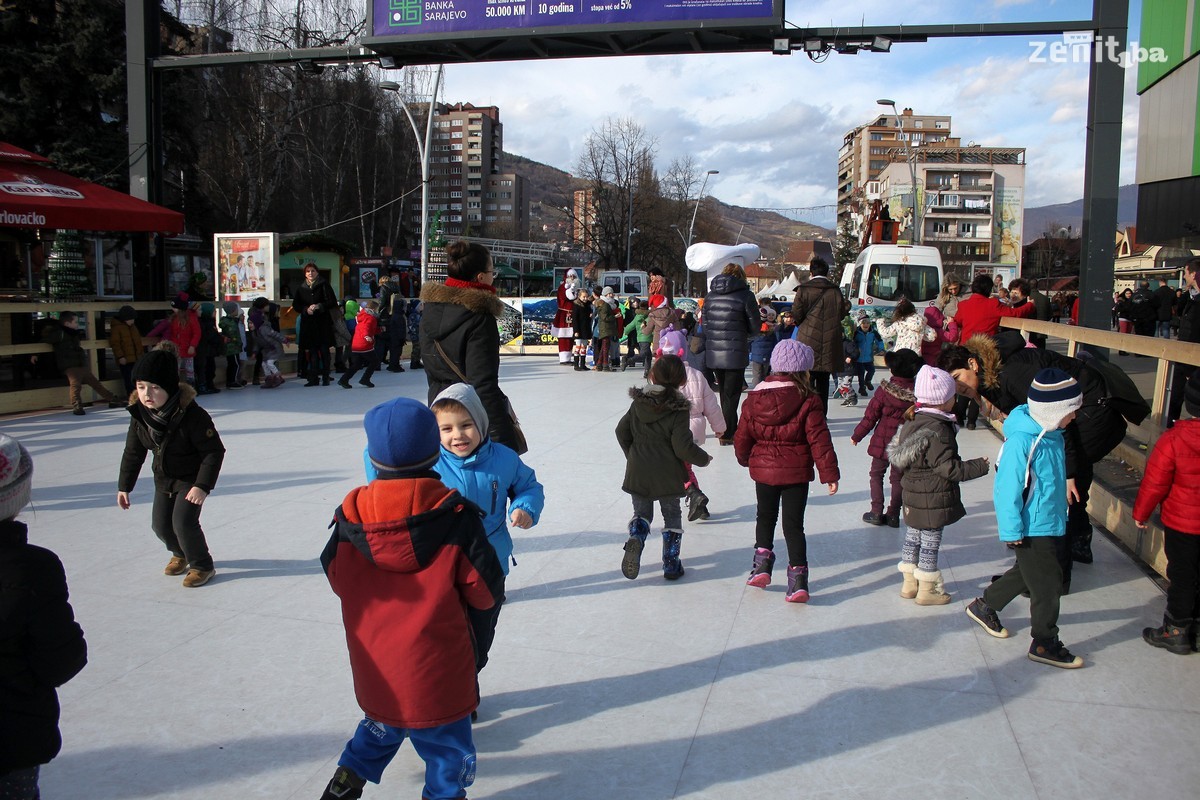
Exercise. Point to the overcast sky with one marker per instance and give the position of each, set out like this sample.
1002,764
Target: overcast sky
773,124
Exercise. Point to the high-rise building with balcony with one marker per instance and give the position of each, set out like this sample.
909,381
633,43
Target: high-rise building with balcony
972,201
467,185
864,155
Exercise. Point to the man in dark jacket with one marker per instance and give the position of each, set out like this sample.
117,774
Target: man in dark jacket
1189,331
1164,304
393,304
41,645
730,319
1145,313
818,309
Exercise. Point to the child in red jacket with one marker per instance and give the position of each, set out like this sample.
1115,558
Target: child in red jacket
407,558
782,434
362,347
1173,479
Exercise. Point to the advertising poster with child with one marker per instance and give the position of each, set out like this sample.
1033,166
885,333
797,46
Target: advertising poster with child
247,266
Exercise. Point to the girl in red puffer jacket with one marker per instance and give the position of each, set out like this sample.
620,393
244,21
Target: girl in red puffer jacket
885,414
1172,478
782,435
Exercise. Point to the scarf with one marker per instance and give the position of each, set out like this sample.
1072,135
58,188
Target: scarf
455,282
158,420
937,412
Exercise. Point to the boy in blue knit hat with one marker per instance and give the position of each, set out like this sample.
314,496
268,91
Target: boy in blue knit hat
407,559
1030,495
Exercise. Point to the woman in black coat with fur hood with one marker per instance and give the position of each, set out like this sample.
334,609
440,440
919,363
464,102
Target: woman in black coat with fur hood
459,324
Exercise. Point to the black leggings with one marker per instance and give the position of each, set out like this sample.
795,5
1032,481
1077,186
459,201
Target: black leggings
794,499
730,383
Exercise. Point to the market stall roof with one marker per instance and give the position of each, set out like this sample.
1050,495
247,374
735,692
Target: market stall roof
34,195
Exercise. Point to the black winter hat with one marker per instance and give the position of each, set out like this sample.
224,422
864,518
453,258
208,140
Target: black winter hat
1191,394
903,363
160,368
126,313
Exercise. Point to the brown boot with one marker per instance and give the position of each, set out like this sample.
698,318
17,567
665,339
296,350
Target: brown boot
931,591
176,566
198,577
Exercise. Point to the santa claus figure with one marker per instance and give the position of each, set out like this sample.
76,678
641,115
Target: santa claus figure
562,327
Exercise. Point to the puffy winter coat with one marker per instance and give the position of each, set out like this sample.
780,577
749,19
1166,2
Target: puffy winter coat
979,314
1008,371
868,343
495,479
704,406
945,335
818,310
407,557
463,320
231,330
582,319
657,320
636,327
762,345
925,448
909,332
657,441
1173,478
184,333
366,329
608,316
190,454
125,341
782,435
885,414
1030,492
730,319
41,648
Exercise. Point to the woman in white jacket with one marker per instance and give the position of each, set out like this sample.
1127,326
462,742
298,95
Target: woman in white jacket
907,327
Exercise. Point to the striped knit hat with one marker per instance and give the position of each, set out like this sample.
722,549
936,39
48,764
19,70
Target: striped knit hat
1053,395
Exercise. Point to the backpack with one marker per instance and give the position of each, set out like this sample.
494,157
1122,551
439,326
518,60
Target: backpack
672,342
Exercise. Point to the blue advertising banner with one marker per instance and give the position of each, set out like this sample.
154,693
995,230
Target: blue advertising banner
441,17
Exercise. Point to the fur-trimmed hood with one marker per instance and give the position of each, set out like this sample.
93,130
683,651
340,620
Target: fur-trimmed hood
984,350
909,448
651,400
478,301
897,391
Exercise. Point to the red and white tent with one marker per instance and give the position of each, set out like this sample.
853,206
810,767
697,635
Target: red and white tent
34,195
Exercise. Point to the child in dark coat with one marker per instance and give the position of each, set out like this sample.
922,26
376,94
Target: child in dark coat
868,342
656,438
781,438
41,645
408,558
927,451
167,421
885,414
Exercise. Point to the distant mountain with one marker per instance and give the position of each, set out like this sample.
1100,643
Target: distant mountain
1061,215
549,190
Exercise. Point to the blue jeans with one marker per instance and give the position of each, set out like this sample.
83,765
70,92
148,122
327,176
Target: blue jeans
447,750
1164,329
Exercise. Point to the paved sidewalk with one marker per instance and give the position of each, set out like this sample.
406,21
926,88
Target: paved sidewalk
598,687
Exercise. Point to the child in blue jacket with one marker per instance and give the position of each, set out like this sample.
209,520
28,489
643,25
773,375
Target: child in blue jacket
492,476
869,342
1030,495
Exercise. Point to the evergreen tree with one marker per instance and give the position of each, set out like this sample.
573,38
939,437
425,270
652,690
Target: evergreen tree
846,248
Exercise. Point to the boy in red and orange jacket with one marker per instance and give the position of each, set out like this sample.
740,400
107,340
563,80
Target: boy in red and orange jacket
362,346
407,558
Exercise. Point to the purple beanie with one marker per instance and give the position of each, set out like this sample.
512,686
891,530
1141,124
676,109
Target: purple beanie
791,356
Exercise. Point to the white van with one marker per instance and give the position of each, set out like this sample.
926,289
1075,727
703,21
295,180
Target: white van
884,273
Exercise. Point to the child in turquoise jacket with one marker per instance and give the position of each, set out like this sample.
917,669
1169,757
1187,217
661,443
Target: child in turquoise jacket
1030,495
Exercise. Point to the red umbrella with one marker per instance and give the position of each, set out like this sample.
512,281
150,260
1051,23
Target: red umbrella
32,195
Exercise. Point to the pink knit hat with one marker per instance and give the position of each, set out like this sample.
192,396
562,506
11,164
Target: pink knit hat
934,386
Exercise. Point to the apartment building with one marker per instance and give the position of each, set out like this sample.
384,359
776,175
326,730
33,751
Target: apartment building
864,155
972,201
468,186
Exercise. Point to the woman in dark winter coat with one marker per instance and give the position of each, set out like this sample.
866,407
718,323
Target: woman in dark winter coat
885,413
730,318
41,645
315,302
459,334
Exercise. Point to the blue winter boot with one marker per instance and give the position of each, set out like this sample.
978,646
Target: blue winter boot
672,566
631,564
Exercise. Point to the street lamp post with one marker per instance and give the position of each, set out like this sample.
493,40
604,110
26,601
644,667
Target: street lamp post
696,210
423,152
912,167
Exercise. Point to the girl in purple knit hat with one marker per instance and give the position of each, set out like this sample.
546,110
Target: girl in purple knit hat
783,438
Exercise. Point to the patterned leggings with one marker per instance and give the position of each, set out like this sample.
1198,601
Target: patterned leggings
21,784
921,547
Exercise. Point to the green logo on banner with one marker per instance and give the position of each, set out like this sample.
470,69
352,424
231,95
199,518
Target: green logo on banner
404,12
